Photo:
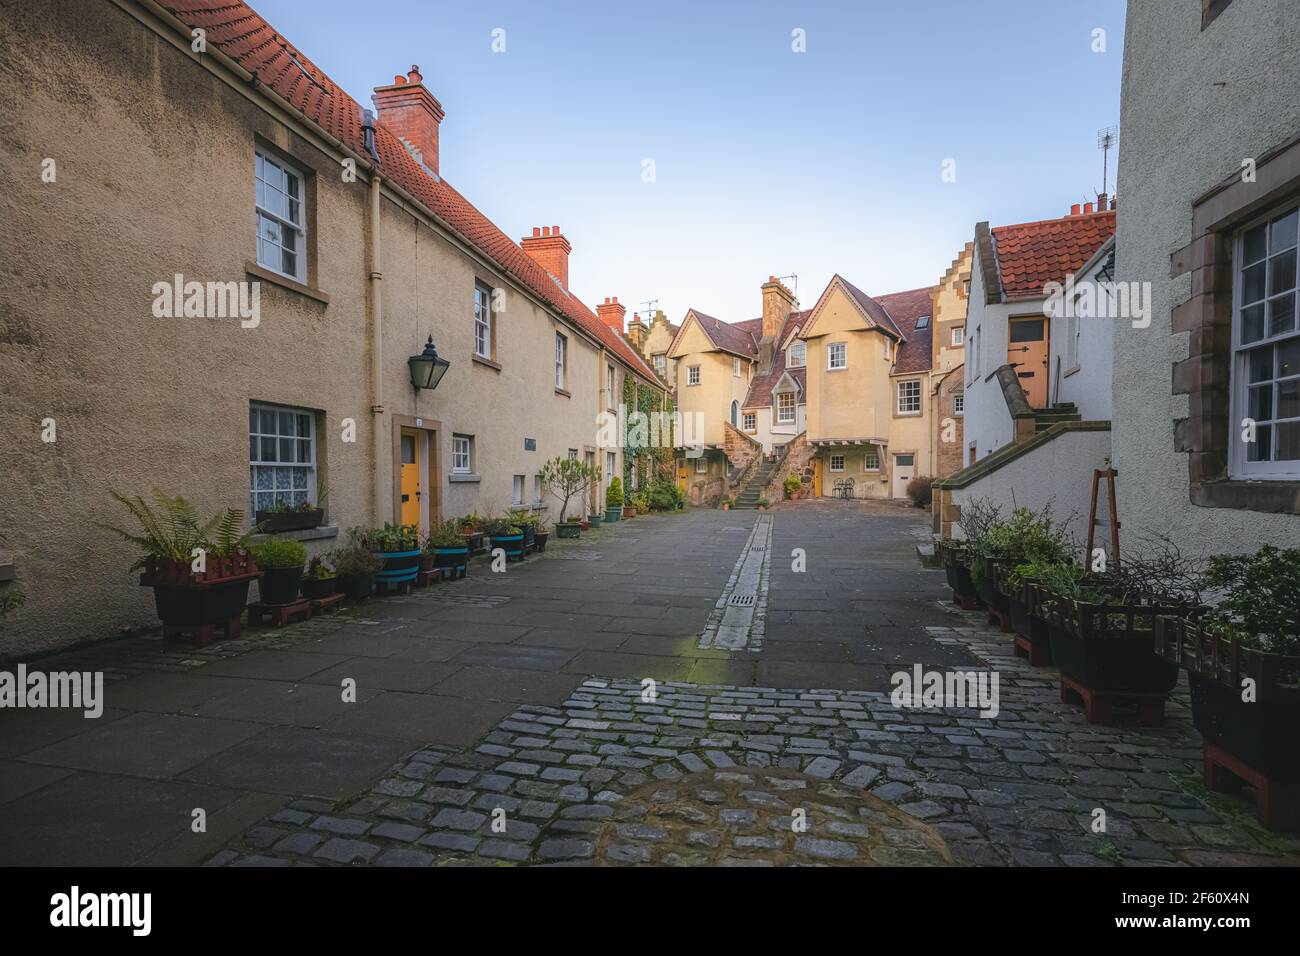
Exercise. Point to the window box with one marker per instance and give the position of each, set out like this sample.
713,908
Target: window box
274,522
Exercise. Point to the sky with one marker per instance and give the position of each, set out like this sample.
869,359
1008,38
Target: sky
765,161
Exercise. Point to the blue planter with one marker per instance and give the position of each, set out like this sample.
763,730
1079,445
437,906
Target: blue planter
453,561
613,512
512,544
399,567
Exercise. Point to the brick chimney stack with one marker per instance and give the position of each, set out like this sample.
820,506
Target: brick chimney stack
778,303
611,312
550,250
408,109
637,332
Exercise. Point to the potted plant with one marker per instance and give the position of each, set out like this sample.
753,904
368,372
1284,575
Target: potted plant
762,504
502,534
791,486
726,504
567,479
541,535
397,548
1243,661
595,519
1101,625
282,516
447,546
522,518
470,527
614,499
319,581
998,547
282,562
199,573
355,565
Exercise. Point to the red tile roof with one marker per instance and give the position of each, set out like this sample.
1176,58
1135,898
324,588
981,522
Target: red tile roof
872,308
905,308
239,32
1032,254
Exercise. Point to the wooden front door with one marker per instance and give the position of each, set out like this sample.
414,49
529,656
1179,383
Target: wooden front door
411,490
817,477
1027,352
904,471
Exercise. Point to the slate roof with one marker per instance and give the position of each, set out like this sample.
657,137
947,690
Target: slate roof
1031,254
761,386
239,32
905,308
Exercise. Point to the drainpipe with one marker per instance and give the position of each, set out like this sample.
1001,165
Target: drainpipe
375,277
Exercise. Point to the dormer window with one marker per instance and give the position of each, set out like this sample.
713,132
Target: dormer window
796,356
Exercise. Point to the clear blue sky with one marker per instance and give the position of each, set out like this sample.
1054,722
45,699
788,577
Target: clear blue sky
767,161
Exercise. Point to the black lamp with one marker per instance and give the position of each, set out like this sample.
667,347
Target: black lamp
427,369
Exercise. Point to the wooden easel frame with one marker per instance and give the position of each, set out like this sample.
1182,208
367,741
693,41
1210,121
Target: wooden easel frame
1107,475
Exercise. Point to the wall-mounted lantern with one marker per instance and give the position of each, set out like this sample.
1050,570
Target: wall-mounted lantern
427,369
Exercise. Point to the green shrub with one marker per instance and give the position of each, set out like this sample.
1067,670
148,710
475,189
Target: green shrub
354,558
614,493
762,502
1261,599
394,537
317,570
445,534
280,553
792,484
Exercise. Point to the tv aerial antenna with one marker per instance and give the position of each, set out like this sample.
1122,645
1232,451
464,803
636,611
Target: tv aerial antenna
649,311
1106,139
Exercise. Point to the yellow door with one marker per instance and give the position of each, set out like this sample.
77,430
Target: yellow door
817,477
681,476
1027,352
410,480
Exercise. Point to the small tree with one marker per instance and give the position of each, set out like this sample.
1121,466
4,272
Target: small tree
567,478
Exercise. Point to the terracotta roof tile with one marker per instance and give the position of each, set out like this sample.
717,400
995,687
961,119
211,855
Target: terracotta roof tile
760,386
1032,254
239,32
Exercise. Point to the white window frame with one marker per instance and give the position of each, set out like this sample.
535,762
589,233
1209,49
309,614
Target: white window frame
913,390
296,491
973,355
462,454
702,465
735,367
870,450
1072,333
285,177
832,350
660,361
537,489
791,361
959,404
561,360
517,491
611,465
958,336
1239,375
781,418
573,454
692,375
483,321
611,381
835,458
887,349
749,421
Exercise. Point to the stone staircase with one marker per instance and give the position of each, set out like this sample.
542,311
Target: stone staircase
757,484
1045,418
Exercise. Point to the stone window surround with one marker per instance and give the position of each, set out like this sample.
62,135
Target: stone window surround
1204,377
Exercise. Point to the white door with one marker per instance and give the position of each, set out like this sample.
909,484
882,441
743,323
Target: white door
904,471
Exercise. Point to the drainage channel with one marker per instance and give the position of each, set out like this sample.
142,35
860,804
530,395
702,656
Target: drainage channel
737,621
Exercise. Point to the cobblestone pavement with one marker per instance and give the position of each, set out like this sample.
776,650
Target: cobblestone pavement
522,693
711,775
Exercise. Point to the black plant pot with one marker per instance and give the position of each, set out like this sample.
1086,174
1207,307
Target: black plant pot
317,589
200,606
452,561
1261,736
1031,628
959,580
986,589
280,585
530,534
357,587
539,541
1112,663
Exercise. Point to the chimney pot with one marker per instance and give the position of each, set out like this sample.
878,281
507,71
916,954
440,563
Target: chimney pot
414,76
537,231
1074,209
550,250
1087,208
611,313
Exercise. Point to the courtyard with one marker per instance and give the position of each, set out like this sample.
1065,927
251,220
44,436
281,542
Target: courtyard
703,688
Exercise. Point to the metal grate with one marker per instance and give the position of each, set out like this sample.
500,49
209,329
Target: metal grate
742,600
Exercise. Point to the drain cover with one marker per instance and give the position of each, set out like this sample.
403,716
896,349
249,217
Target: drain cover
742,600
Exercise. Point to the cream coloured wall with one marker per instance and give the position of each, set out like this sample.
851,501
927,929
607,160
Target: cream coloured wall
155,176
853,402
658,339
718,388
872,483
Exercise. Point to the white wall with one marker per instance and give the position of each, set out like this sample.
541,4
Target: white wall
1059,473
1089,384
987,421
